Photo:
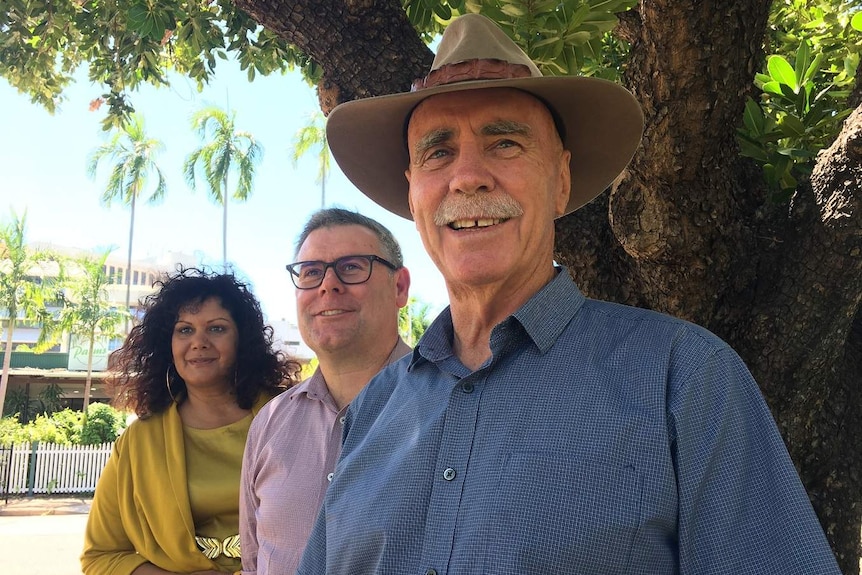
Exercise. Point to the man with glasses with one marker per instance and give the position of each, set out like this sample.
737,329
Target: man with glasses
350,283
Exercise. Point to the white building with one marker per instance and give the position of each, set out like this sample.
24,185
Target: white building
66,363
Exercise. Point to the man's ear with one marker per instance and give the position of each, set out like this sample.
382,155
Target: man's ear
409,194
402,286
562,198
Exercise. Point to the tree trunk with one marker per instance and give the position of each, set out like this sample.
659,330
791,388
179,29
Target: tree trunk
688,230
780,283
128,277
7,358
323,191
224,226
89,382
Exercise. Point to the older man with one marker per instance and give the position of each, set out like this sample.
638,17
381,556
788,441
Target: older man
350,283
534,430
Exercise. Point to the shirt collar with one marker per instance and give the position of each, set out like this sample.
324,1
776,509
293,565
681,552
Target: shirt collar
314,387
436,343
543,317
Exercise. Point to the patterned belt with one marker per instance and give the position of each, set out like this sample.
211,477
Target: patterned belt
212,547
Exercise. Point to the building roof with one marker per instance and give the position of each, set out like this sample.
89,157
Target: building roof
55,373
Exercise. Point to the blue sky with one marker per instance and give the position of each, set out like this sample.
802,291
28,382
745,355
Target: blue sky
43,161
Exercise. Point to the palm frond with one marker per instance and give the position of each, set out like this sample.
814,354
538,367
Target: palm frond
132,155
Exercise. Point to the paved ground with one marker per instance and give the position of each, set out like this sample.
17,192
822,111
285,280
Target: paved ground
41,505
42,536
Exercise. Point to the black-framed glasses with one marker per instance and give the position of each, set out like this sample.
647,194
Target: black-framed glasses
350,270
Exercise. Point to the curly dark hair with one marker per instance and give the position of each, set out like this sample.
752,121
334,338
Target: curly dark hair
138,369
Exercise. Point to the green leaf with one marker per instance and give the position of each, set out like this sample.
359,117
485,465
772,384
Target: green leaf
761,79
159,27
543,43
796,153
769,175
578,16
803,59
577,38
772,87
788,92
136,16
813,68
751,149
514,11
544,6
473,6
781,72
146,26
791,126
753,118
787,182
802,103
443,11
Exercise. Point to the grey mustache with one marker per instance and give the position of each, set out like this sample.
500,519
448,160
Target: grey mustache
476,206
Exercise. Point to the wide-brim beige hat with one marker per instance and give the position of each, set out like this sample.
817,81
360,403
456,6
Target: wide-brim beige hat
601,123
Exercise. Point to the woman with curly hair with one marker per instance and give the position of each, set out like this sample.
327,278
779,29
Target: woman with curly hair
195,370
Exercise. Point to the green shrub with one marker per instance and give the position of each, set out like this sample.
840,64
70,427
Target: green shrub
51,398
103,424
813,49
19,405
45,430
11,431
68,423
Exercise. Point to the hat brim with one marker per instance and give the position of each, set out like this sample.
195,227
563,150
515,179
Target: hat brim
603,124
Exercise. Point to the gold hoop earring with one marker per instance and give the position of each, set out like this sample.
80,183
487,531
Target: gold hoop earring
168,383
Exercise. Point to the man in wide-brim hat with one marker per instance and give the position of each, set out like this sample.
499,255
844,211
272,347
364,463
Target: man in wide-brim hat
533,430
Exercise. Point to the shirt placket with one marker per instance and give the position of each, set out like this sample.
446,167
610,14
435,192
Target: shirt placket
333,447
449,473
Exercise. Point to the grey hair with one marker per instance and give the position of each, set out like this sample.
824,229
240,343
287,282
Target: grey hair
333,217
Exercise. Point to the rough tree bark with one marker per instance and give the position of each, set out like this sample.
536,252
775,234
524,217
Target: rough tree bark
688,229
364,47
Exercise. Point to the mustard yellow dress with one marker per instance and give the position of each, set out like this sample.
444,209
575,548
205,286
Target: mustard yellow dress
142,510
214,466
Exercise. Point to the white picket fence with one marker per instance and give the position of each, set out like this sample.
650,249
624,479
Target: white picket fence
51,468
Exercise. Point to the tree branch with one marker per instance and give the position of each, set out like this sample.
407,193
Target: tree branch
365,47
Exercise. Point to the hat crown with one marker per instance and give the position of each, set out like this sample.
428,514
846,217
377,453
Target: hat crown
602,122
476,37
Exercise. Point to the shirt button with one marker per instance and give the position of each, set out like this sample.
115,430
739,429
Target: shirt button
449,474
329,477
431,572
341,420
467,387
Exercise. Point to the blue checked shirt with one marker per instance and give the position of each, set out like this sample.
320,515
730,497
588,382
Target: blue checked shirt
598,439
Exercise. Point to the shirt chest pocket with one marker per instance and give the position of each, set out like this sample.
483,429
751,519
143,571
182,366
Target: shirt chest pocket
563,516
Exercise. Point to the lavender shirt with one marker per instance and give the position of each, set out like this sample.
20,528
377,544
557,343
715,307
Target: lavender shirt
290,455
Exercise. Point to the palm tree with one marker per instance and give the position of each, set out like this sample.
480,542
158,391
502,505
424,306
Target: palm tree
86,312
413,320
224,148
21,293
308,137
132,155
